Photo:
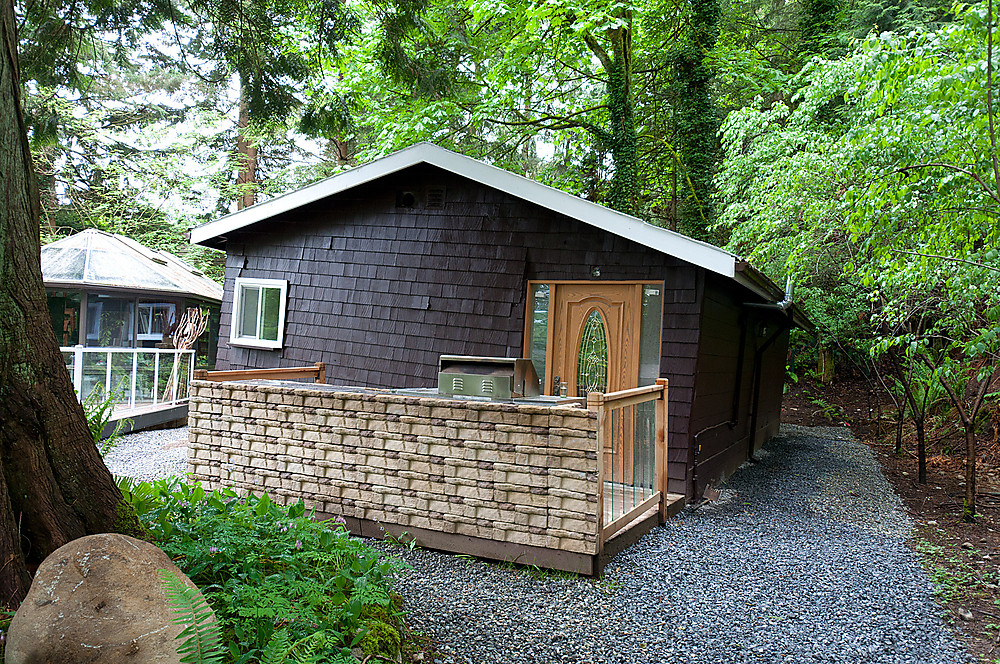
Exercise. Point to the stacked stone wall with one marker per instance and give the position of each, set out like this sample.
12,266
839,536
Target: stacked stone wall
509,473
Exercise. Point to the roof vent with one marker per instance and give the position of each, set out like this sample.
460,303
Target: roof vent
435,197
405,199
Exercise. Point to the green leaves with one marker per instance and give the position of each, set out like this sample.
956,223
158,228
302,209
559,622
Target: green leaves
266,568
883,165
201,637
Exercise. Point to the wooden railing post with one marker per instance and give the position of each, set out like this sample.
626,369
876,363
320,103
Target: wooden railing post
661,458
320,372
200,374
595,402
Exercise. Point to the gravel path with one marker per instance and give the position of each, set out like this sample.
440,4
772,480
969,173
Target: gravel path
803,559
149,455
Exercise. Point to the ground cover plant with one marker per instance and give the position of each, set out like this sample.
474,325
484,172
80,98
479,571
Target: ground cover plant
285,588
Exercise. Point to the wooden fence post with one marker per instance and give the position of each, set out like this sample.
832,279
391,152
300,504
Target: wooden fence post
595,402
661,447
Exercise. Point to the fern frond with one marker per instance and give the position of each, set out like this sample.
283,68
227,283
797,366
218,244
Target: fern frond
201,634
314,648
278,648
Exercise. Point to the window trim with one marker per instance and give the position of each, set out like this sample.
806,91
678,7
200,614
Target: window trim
251,342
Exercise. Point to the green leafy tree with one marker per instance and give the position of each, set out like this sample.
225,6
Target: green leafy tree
887,163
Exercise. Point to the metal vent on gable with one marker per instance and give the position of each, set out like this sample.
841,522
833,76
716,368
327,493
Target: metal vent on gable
435,197
405,199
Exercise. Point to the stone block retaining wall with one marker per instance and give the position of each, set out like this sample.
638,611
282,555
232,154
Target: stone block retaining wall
518,474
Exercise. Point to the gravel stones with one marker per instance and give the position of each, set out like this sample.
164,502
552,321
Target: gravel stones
802,559
149,455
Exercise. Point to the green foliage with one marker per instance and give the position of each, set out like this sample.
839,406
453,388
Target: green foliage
201,635
870,188
5,618
99,408
380,640
282,585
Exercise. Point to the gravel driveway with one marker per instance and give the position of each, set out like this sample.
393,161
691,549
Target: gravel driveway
802,559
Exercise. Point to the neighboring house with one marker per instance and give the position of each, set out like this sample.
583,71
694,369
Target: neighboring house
108,290
381,269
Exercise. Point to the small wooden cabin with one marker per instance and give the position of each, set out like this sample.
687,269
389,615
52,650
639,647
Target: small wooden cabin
379,270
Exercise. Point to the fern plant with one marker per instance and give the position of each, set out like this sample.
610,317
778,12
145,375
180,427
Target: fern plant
267,569
201,634
99,409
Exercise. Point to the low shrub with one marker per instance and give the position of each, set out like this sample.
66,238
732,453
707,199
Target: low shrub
284,587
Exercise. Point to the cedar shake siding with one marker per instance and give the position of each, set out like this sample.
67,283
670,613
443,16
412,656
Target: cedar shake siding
740,368
378,291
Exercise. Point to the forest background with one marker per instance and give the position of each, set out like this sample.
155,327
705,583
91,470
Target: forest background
847,146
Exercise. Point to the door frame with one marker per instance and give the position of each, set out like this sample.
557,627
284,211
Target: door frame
550,326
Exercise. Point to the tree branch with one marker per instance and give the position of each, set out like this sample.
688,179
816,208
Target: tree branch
946,258
992,194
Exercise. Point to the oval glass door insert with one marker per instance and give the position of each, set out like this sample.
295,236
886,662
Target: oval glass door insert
592,357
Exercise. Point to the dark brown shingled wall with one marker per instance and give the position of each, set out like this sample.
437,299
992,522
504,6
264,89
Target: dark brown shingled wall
378,291
723,403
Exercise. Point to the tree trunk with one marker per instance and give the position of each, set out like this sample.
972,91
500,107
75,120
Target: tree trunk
54,487
900,416
624,193
921,449
246,156
969,504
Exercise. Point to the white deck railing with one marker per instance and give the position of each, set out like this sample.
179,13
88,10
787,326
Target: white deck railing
139,376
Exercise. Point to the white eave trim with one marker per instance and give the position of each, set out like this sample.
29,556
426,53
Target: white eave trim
668,242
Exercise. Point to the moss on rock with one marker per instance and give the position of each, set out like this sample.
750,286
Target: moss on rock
380,640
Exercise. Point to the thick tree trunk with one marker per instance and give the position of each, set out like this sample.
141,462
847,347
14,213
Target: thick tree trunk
54,487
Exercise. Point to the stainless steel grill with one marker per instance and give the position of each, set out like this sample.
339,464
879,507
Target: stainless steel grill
492,377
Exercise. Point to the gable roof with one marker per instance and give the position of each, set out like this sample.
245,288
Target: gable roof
104,260
702,254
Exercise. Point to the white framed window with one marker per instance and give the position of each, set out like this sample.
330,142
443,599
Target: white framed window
258,313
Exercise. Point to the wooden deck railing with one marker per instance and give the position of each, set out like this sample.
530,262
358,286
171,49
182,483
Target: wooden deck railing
317,372
632,454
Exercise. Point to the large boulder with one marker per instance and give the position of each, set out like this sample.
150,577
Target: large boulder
97,599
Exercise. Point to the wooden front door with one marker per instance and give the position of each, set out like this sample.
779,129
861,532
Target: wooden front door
595,340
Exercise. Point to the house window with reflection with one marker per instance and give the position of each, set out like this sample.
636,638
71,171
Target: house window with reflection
259,316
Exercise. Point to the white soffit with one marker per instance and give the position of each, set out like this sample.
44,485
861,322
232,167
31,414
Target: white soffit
668,242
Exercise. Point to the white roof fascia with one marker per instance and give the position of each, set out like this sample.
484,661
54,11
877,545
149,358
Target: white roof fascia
334,184
668,242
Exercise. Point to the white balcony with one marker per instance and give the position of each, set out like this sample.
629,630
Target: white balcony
142,380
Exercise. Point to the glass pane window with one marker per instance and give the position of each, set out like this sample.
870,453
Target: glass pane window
154,318
259,316
592,358
649,337
270,306
249,306
109,321
538,329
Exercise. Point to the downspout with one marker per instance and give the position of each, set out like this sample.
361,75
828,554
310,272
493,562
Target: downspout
784,305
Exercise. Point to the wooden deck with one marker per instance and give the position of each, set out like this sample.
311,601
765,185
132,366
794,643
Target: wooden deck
147,416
